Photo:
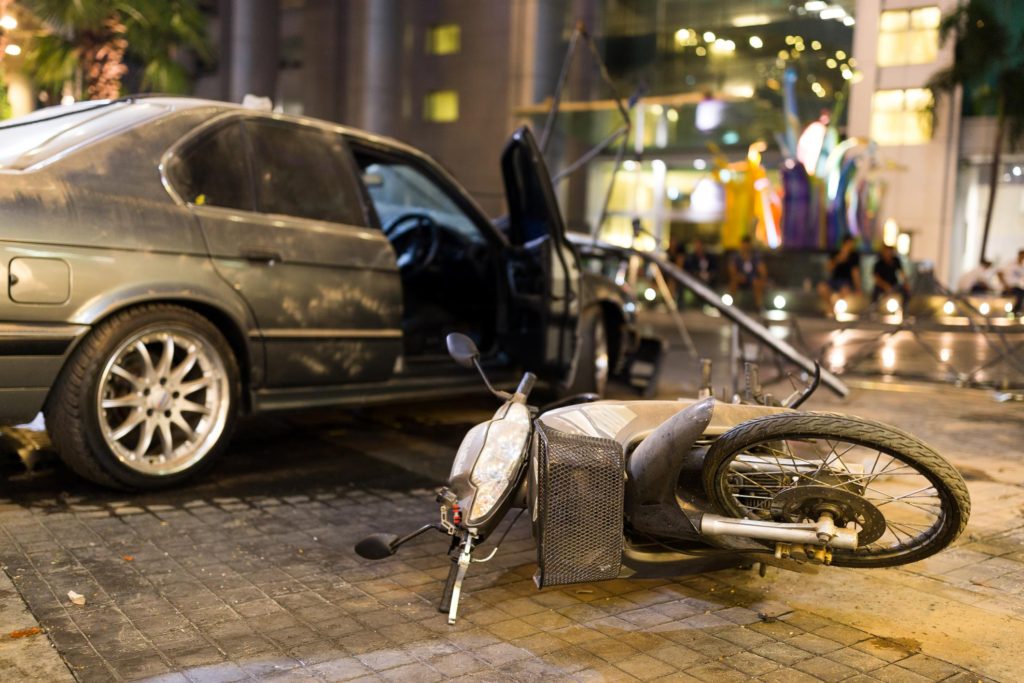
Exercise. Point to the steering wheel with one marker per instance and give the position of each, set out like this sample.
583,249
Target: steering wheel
416,239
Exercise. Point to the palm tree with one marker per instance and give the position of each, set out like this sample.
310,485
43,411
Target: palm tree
988,63
90,40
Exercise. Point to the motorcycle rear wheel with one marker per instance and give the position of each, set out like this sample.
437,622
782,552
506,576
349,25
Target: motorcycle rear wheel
921,498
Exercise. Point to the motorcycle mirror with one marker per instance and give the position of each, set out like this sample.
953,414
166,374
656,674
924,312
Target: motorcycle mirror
377,546
462,349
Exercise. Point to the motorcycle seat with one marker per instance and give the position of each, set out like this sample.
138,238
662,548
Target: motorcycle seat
628,422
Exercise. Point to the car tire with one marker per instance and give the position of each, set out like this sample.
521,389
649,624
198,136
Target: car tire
147,400
593,360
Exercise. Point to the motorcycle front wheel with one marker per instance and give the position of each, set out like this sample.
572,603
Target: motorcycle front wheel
904,499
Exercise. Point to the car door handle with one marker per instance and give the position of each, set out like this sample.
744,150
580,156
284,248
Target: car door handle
261,256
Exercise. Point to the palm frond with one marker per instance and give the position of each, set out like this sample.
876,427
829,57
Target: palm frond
52,60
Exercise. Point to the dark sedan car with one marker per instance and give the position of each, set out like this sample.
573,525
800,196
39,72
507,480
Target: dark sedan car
171,263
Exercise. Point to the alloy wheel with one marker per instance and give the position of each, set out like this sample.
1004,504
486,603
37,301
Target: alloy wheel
163,400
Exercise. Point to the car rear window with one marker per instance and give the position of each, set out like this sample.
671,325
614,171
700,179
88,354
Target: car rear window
44,134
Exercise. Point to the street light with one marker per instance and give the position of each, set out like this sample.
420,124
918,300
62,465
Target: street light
8,23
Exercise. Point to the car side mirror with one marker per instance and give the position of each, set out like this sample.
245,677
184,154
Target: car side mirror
462,350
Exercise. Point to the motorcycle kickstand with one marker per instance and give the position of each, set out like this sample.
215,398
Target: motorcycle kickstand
464,559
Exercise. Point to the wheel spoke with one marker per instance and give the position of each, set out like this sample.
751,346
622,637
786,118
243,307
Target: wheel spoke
167,358
166,438
129,401
184,426
187,388
147,360
127,376
145,438
185,366
912,494
130,423
192,407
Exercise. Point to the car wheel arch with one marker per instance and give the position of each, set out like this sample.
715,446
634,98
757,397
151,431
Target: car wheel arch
228,324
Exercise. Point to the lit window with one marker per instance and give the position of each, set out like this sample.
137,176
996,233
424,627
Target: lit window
441,106
902,117
445,39
909,36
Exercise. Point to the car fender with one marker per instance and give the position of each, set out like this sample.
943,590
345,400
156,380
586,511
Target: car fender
148,278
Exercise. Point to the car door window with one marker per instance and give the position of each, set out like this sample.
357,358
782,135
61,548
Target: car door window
397,189
214,171
302,171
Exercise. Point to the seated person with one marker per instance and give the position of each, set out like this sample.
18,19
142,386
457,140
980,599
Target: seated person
843,273
889,276
700,264
747,271
978,280
1011,276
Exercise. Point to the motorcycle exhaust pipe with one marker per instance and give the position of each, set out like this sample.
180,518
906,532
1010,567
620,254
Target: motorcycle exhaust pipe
822,532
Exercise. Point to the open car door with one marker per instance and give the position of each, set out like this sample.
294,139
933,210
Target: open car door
544,274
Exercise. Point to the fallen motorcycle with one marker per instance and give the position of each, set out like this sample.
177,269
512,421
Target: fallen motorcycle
663,488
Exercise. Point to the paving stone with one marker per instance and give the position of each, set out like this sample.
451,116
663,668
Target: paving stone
932,668
716,672
856,659
814,643
252,575
788,676
782,653
644,667
895,673
751,664
825,669
842,634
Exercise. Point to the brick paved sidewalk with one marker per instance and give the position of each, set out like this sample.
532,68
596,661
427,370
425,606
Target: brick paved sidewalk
251,575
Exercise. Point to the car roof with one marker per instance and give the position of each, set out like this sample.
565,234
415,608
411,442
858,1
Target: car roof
50,124
181,103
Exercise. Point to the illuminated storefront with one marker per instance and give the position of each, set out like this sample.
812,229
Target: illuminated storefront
713,77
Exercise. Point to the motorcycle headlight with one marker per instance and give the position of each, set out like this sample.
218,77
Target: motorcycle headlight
499,459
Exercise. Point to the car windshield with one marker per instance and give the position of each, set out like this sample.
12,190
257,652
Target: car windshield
43,134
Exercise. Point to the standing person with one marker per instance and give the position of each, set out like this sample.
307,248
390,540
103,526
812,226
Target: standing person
843,273
1011,276
889,276
978,280
747,271
700,264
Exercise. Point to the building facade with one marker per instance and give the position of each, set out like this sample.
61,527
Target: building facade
720,87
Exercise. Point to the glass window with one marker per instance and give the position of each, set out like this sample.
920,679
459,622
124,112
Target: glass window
301,171
445,39
397,189
901,117
441,106
909,36
213,171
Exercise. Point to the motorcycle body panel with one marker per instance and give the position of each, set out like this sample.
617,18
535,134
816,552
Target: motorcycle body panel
629,422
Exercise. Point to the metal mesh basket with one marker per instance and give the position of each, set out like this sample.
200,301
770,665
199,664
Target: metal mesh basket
577,504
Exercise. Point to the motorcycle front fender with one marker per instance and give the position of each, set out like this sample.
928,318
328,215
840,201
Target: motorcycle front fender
653,473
